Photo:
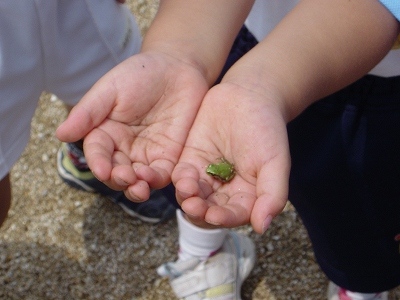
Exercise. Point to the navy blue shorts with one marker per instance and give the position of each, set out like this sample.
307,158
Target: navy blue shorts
345,182
345,179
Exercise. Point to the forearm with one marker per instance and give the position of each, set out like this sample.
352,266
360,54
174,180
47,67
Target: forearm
320,47
198,32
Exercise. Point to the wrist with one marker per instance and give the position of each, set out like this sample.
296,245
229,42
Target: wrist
178,52
199,33
272,88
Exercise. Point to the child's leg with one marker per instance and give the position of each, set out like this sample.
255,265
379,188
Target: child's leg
20,86
5,197
21,82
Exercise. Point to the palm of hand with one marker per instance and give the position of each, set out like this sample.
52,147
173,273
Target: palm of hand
140,114
239,125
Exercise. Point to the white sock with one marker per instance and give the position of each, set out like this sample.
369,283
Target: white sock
197,242
360,296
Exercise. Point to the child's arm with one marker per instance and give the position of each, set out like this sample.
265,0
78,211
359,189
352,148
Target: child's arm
201,33
320,47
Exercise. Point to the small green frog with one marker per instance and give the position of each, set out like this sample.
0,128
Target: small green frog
223,170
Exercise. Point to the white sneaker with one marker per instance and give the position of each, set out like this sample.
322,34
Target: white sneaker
220,277
337,293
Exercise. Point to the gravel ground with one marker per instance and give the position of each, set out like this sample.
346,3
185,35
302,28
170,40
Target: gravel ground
59,243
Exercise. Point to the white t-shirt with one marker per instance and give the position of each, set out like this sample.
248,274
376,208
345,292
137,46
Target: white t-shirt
266,14
62,47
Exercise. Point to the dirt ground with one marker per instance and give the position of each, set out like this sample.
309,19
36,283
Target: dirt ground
60,243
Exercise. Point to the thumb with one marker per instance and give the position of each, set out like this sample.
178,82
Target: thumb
89,113
272,191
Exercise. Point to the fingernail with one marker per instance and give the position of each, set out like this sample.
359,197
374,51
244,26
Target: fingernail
266,223
120,182
214,223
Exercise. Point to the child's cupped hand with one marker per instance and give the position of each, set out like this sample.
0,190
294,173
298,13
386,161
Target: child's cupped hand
135,121
248,130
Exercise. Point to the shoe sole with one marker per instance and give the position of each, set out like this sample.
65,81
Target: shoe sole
136,215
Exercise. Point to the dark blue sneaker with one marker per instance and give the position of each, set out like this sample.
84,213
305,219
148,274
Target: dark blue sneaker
73,169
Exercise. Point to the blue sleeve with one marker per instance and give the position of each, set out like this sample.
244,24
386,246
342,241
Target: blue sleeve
393,6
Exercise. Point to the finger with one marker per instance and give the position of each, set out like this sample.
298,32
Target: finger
220,209
195,207
138,192
229,211
99,149
235,212
185,179
122,174
156,178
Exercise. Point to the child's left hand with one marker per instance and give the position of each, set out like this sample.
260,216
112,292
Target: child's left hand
248,130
